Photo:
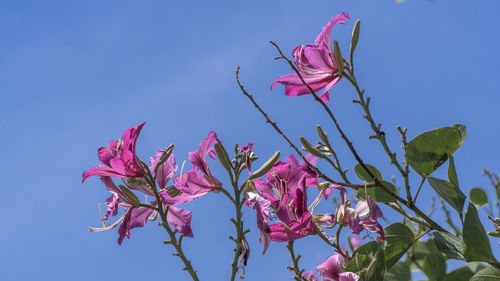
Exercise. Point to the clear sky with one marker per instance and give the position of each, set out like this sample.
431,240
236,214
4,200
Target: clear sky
76,74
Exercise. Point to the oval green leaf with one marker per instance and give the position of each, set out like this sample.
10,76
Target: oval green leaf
449,245
399,239
478,196
487,274
378,194
429,150
364,176
449,192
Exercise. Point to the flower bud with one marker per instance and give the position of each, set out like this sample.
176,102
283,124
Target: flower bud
321,134
310,148
130,196
223,156
266,166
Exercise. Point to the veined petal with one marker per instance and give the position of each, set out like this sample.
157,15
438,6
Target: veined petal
348,276
194,183
181,198
180,220
134,217
325,36
332,267
101,171
112,204
198,158
294,230
166,170
107,153
314,60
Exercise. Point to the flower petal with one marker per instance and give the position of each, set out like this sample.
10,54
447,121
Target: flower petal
180,220
198,158
325,36
134,217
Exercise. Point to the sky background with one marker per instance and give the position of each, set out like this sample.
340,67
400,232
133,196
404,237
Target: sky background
76,74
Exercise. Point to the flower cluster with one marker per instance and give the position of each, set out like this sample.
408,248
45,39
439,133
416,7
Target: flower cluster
120,160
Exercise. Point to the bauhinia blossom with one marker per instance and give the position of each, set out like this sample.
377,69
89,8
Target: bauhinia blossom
199,180
315,63
363,217
119,158
285,192
332,270
134,216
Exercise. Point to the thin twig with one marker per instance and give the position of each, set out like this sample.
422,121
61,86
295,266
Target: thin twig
280,132
376,181
295,261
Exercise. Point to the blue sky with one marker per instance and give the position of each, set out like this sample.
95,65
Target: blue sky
76,74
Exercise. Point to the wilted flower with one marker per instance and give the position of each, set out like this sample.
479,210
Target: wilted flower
315,63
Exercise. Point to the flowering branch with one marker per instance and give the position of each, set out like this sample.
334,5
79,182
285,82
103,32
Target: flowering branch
280,132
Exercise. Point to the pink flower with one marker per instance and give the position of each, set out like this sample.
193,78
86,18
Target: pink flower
332,270
246,150
315,63
364,216
285,192
166,171
119,158
134,217
199,180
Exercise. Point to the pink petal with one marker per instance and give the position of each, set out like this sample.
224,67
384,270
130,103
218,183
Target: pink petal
194,183
198,158
348,276
180,219
325,35
134,217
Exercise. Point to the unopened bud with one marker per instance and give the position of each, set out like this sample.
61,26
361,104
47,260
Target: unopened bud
131,197
223,157
337,56
266,167
311,148
321,134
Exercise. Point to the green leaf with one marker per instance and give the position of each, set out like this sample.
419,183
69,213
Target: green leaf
378,194
362,256
376,269
428,258
449,192
478,196
398,272
399,239
364,176
429,150
459,274
476,243
452,173
462,129
487,274
449,245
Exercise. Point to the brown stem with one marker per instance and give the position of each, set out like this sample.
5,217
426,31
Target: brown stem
408,203
280,132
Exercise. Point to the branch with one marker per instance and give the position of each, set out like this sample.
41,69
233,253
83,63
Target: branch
408,203
280,132
295,260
